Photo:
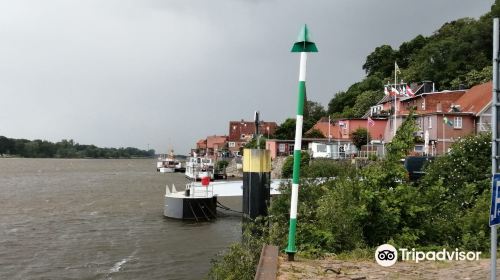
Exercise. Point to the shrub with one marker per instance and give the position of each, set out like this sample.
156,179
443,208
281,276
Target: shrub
287,169
325,168
221,164
241,259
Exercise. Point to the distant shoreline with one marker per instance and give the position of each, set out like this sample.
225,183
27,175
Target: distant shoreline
18,157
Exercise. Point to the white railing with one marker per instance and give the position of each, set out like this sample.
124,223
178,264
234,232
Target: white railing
366,154
199,190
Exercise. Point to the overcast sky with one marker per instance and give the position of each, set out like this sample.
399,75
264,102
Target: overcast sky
167,73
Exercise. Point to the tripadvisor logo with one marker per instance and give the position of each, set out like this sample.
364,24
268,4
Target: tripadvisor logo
386,255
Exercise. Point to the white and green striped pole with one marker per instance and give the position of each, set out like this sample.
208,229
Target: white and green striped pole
303,45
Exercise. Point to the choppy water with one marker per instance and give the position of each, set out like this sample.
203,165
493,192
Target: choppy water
99,219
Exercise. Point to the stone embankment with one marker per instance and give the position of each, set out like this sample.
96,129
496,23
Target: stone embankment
276,166
234,169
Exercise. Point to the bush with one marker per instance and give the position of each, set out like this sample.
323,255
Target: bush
341,213
455,189
325,168
241,259
221,164
287,169
364,208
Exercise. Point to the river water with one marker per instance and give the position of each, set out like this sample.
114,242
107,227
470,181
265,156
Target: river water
99,219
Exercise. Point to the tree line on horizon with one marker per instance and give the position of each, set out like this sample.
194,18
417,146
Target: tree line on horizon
65,149
458,54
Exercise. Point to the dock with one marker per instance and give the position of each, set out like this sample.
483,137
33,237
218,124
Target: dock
198,202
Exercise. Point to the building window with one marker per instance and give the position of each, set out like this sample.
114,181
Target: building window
321,148
429,120
243,136
420,122
281,148
290,149
423,105
231,144
458,122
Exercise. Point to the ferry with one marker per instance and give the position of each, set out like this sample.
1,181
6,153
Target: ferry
166,166
199,167
168,163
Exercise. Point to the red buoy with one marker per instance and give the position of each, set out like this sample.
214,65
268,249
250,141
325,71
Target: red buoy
205,181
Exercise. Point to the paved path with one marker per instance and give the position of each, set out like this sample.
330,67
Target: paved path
357,270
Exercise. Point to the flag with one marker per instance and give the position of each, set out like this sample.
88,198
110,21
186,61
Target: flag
386,91
403,91
394,91
371,122
447,121
409,91
396,68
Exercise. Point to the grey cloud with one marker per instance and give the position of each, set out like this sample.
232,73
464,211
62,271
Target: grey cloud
166,73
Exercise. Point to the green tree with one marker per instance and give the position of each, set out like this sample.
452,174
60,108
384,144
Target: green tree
286,130
7,145
313,111
457,186
252,144
380,60
364,101
408,49
360,137
341,105
474,77
287,169
404,141
31,149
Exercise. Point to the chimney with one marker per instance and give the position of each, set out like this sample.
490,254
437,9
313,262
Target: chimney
428,86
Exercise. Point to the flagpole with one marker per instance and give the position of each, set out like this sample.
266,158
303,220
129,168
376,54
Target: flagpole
367,133
443,136
395,100
329,134
338,143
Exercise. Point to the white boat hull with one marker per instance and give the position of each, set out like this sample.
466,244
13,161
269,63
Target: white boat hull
167,170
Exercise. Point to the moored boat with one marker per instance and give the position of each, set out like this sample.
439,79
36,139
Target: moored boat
199,167
168,163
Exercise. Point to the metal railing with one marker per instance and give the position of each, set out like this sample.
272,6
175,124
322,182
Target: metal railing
195,190
367,154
